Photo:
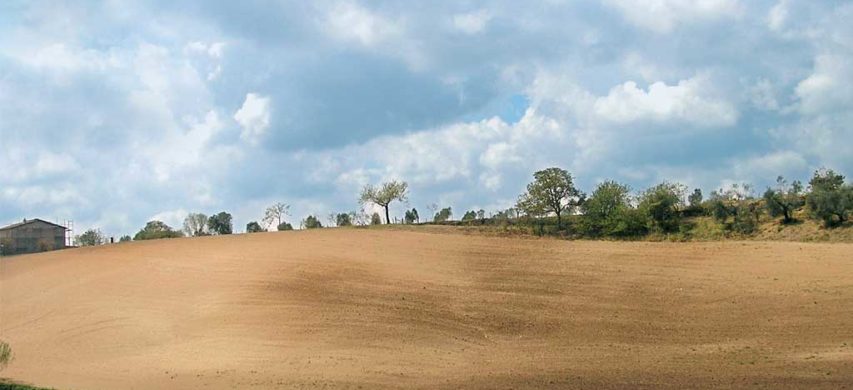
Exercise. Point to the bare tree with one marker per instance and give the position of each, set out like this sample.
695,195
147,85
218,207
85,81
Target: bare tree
195,224
274,214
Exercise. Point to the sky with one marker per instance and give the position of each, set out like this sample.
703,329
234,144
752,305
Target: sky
115,113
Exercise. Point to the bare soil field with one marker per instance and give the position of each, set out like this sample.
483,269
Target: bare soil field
364,308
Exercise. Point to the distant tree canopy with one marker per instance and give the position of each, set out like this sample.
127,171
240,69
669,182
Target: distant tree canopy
220,223
195,224
830,200
284,226
412,216
154,230
784,199
125,238
343,219
384,195
312,222
443,215
254,227
90,237
552,191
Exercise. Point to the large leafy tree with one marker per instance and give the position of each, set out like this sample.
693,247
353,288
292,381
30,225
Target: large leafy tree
661,204
784,199
443,215
384,195
608,211
552,191
220,223
155,230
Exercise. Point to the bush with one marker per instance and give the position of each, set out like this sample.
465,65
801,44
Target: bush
312,222
155,230
284,226
254,227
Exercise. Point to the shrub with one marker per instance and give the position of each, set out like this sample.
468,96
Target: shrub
661,205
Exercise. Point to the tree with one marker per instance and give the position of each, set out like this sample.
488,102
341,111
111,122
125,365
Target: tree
254,227
412,216
826,180
343,219
195,224
125,238
284,226
830,200
784,199
274,215
154,230
375,219
694,200
661,204
608,211
90,237
312,222
552,191
469,216
384,195
443,215
220,223
737,202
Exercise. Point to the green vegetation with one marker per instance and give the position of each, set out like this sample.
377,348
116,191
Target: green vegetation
90,237
312,222
154,230
4,385
220,223
254,227
552,191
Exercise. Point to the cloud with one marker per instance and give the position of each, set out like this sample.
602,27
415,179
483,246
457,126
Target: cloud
253,117
686,102
662,16
471,22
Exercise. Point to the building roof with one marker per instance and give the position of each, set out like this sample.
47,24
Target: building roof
29,221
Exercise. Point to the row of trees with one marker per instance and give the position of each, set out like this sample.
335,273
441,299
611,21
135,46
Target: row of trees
611,209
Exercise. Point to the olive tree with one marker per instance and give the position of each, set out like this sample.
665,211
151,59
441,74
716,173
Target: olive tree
384,195
784,199
552,191
830,200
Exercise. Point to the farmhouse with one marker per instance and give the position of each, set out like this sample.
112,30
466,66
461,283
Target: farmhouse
29,236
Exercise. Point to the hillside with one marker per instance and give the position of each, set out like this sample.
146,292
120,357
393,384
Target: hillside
349,308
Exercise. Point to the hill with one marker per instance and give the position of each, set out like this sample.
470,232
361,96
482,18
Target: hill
349,308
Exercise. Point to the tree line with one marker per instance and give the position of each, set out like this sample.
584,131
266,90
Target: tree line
610,210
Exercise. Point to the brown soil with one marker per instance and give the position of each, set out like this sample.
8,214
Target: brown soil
350,308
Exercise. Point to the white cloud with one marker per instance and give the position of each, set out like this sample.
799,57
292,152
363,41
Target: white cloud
662,16
253,117
472,22
349,21
688,101
829,87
